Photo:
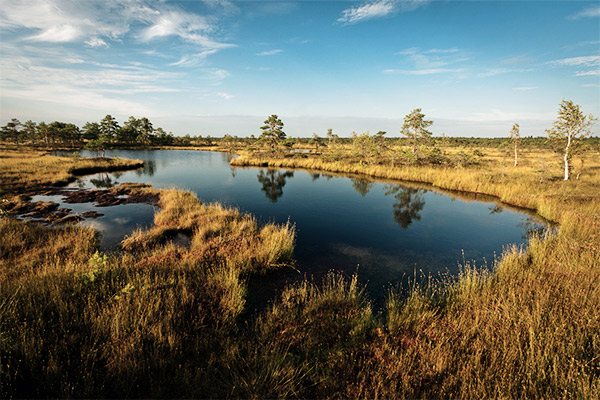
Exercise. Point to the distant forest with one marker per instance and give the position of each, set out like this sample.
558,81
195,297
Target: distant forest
134,132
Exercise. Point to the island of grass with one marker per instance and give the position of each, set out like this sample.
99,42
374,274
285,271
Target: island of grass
29,171
164,318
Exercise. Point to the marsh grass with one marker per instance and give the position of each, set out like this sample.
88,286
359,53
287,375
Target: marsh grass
162,318
527,329
216,232
31,170
158,319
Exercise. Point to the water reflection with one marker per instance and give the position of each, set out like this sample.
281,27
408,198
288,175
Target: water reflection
103,181
495,209
273,182
532,226
148,169
408,205
362,186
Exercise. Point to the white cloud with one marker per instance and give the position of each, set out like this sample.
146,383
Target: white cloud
587,61
588,73
217,74
74,97
62,21
22,71
500,71
93,22
225,96
442,51
96,42
592,12
428,62
269,52
377,9
367,11
59,34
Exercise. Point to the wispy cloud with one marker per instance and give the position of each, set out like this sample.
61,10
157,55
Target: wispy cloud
428,71
517,60
588,73
582,44
269,52
96,42
377,9
442,51
225,96
588,61
97,22
581,62
27,75
524,88
501,71
367,11
429,62
591,12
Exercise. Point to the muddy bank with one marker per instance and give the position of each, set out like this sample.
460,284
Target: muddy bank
22,207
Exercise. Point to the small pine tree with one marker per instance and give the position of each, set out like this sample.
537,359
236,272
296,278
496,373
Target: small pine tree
272,131
415,127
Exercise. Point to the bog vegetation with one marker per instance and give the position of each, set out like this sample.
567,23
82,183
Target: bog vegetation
165,316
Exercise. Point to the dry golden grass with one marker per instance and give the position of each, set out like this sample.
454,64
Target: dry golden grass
158,319
163,317
31,170
529,329
216,232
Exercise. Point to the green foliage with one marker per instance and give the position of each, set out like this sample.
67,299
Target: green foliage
11,131
415,127
365,146
570,127
97,145
272,131
109,127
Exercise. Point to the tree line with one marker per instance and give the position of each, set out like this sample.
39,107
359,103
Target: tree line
566,136
570,131
93,135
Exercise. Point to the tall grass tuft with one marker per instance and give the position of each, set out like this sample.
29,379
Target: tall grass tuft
307,343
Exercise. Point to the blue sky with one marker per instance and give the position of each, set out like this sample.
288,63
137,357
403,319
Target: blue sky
220,67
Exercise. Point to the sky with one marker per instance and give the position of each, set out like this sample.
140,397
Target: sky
216,67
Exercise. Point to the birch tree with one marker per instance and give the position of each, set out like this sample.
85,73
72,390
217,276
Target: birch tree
515,136
569,128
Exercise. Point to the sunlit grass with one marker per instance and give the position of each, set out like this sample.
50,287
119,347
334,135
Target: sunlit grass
29,170
163,317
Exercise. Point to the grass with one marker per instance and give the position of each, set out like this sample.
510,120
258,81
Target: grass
34,170
527,329
159,319
163,317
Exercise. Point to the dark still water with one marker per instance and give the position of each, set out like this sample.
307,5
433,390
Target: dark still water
384,231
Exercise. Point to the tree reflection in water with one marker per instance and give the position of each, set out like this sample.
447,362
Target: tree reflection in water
362,186
148,168
408,205
273,182
104,181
